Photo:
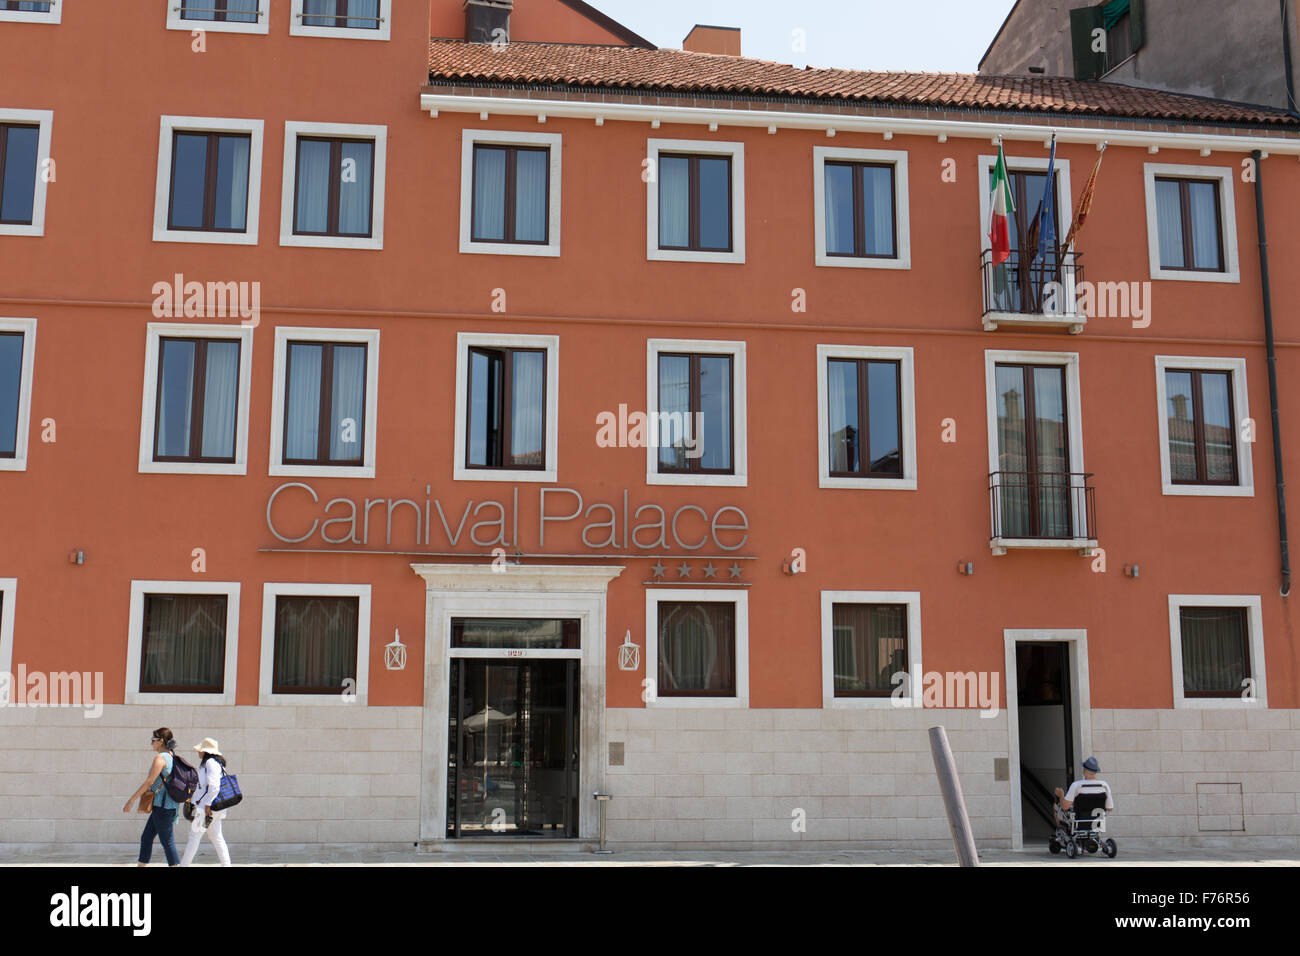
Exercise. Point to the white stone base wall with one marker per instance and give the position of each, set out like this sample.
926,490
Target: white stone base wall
691,777
310,775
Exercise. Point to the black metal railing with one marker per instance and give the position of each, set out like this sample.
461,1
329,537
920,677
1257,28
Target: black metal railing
1038,504
1021,285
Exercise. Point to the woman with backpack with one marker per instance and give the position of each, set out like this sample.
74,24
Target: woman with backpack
206,819
162,812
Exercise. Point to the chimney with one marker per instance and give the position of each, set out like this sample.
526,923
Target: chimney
706,39
488,21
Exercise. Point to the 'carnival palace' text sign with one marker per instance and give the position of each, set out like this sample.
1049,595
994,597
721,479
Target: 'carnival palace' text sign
490,523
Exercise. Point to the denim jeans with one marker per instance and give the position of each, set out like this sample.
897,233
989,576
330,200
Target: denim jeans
161,823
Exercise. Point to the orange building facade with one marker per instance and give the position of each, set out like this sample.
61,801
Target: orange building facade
356,473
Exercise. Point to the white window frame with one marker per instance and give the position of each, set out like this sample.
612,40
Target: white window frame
135,642
53,15
8,599
485,137
176,22
902,258
293,130
270,592
1255,635
551,343
1074,412
907,416
149,404
1245,487
737,596
297,29
24,424
914,672
45,120
162,191
283,336
739,425
1227,221
736,152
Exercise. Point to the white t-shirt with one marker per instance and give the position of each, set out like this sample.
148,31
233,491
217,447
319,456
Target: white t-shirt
1091,786
209,784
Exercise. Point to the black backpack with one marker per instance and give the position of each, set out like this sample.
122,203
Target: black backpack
182,781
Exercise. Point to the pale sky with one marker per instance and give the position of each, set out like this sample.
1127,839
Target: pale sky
938,35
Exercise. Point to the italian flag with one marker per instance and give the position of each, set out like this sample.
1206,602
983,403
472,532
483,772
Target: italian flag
1002,205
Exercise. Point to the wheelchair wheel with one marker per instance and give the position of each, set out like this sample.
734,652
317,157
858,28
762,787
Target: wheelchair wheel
1092,846
1053,847
1109,848
1071,849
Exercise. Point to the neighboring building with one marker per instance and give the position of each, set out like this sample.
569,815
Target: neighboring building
1241,51
480,266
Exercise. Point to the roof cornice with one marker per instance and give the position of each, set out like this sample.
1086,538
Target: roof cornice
1067,129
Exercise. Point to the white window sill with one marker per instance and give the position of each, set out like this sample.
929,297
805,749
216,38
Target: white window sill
332,242
1219,703
13,464
1210,491
502,474
869,484
192,468
870,703
863,262
678,255
1071,321
733,702
1085,546
226,699
176,22
339,33
1184,275
278,470
206,238
17,229
311,700
510,249
720,481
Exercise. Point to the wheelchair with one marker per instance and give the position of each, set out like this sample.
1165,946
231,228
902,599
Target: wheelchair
1079,829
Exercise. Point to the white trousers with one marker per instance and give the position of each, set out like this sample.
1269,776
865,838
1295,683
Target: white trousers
214,834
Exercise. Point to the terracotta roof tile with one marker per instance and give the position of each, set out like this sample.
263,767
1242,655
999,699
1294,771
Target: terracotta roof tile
633,68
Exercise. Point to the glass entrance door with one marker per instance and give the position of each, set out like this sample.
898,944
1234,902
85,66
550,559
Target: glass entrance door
513,748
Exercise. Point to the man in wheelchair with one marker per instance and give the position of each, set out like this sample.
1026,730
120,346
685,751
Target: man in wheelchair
1081,815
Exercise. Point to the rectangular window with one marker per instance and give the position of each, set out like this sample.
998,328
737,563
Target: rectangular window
695,202
316,639
506,409
859,206
341,14
31,11
695,413
19,151
516,633
11,391
1033,483
198,400
1202,433
870,647
864,422
183,646
209,181
1190,234
696,649
334,187
27,6
511,194
220,11
325,403
1216,651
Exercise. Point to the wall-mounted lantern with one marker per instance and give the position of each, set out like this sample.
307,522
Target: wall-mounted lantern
629,654
395,653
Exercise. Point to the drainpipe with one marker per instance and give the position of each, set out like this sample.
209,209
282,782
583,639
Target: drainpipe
1272,375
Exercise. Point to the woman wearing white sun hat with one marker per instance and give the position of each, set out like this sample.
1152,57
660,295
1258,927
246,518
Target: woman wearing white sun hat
205,819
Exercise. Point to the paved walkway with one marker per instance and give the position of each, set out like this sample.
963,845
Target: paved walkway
1132,855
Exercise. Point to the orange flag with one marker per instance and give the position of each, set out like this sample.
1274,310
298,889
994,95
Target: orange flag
1085,201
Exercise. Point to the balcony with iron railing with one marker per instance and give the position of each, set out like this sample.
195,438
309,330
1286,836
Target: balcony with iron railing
1042,510
1023,293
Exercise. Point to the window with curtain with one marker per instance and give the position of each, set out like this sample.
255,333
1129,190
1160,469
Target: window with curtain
220,11
695,413
11,383
209,181
506,408
18,149
695,202
335,187
1202,435
183,647
1188,225
511,194
1033,481
697,649
864,421
1216,651
198,400
870,647
325,403
27,6
315,644
345,14
860,210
